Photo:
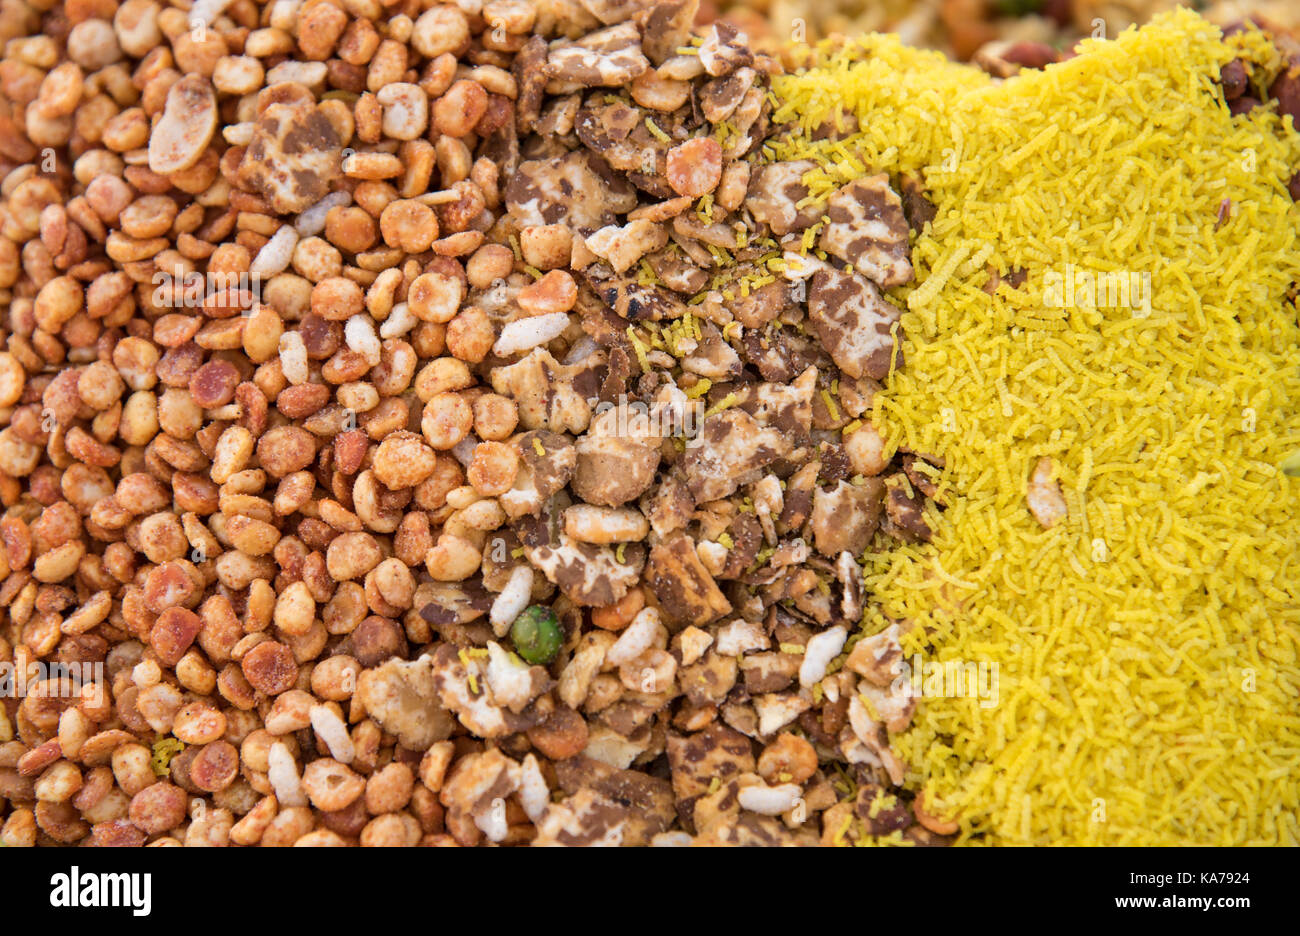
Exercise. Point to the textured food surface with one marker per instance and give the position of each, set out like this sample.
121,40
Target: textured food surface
1148,642
560,422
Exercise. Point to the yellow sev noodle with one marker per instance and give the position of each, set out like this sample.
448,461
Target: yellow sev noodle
1147,645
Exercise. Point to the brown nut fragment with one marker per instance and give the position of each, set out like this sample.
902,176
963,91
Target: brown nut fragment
403,699
403,460
686,592
609,57
294,153
868,229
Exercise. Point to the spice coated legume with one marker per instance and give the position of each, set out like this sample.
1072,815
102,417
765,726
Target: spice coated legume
355,357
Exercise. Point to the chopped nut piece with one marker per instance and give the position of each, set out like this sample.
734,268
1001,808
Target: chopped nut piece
845,517
868,230
775,191
695,167
731,450
854,322
608,57
1044,495
684,589
878,658
294,154
624,246
404,699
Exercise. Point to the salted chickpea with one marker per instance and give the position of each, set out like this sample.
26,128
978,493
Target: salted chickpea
107,196
162,538
346,610
351,555
394,582
470,335
233,450
92,44
178,414
619,615
489,263
335,678
336,299
389,789
127,131
330,785
295,609
788,759
255,749
61,90
131,770
447,419
139,423
135,361
440,30
315,259
198,723
546,246
463,106
495,417
158,808
403,460
59,783
391,830
453,559
350,228
196,674
409,225
237,74
149,216
435,297
57,302
290,294
100,386
290,712
493,470
13,378
454,160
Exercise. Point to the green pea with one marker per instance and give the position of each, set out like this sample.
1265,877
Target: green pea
536,634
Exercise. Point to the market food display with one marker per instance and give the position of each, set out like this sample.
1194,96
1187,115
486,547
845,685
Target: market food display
565,423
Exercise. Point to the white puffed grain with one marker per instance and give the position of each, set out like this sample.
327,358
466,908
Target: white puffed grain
333,732
527,333
293,358
400,321
312,221
360,335
275,255
283,774
512,600
636,639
